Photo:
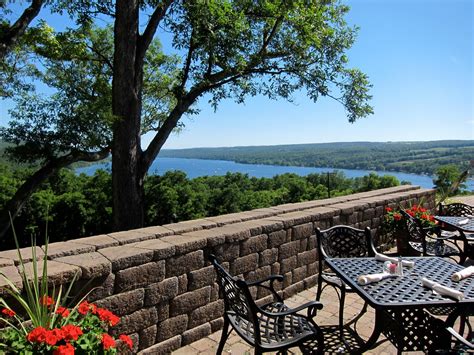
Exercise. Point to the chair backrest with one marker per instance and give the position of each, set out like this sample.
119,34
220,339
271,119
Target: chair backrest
416,233
237,297
345,242
456,209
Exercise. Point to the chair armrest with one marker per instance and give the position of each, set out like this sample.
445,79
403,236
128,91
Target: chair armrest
312,307
270,287
459,338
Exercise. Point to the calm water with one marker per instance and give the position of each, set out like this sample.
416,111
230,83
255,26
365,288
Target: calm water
200,167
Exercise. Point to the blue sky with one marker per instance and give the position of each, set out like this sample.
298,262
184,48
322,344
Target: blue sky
418,55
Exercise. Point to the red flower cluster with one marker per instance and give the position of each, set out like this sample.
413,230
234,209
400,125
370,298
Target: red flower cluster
107,341
107,316
62,311
86,307
8,312
52,337
47,301
127,340
67,349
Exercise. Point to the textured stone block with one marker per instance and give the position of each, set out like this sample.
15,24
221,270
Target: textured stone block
184,264
253,245
268,257
139,276
188,301
58,273
161,250
275,239
197,333
200,278
135,322
217,324
299,274
165,347
189,226
163,311
288,249
182,284
92,264
227,252
147,337
26,254
99,241
184,243
11,272
161,291
313,268
288,264
293,289
244,264
206,313
124,303
131,236
171,327
307,257
123,257
101,287
302,231
59,249
368,213
6,262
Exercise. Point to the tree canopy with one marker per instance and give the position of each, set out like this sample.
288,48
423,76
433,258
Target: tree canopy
111,87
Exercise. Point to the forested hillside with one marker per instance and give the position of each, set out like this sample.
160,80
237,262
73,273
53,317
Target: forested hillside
411,157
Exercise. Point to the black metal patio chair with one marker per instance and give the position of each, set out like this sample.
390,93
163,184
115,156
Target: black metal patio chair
341,242
272,326
456,209
430,242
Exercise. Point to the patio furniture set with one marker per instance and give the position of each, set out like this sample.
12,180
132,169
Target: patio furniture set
417,300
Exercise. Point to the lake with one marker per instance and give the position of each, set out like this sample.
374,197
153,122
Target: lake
200,167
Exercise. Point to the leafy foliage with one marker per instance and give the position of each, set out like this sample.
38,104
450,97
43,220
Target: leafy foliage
80,205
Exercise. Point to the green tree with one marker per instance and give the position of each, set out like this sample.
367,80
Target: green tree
449,180
229,49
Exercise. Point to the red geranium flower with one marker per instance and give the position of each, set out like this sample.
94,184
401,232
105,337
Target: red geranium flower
8,312
107,341
107,316
397,216
62,311
37,335
53,336
388,209
127,340
46,301
84,308
71,332
67,349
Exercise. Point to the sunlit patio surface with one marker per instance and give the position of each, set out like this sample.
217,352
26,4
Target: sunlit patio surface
326,318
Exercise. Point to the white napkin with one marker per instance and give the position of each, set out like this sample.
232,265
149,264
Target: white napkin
381,257
367,279
458,276
463,221
442,290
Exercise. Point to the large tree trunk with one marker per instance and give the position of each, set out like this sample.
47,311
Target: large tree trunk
127,179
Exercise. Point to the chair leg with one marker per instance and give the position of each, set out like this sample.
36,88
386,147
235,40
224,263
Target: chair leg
319,290
341,312
224,336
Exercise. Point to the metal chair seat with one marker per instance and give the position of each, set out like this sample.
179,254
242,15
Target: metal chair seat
288,330
435,249
272,326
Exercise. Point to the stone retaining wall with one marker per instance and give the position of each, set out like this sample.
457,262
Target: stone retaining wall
158,278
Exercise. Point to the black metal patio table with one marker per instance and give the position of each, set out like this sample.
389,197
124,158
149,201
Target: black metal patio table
403,307
457,222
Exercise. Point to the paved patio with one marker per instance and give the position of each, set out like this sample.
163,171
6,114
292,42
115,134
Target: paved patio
327,318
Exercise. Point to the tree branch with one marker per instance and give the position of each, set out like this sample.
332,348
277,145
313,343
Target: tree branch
145,39
34,181
12,34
